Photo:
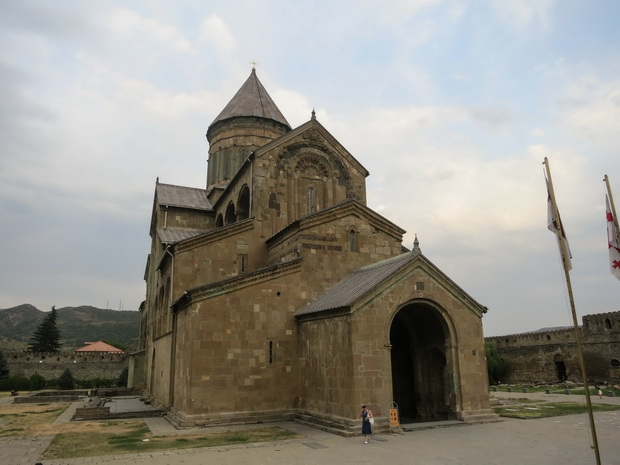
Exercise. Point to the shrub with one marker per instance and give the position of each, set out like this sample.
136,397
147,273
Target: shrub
15,383
66,380
96,383
4,367
37,382
497,366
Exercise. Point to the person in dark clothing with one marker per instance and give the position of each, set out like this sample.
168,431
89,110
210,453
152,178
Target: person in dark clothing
367,420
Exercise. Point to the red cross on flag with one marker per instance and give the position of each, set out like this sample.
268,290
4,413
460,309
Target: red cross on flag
612,242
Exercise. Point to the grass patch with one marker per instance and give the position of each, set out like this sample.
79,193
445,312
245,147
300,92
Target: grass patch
555,389
550,409
28,419
133,436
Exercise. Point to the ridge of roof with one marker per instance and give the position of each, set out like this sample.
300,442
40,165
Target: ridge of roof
251,100
98,346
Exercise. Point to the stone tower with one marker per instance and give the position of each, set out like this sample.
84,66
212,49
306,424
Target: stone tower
249,121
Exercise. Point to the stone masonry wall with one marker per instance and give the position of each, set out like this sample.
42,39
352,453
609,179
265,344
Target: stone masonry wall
534,357
83,365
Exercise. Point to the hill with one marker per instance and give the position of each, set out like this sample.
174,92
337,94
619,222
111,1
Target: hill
77,325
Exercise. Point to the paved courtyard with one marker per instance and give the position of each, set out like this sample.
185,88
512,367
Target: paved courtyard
558,440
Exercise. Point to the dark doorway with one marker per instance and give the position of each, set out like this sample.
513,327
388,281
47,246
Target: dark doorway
560,368
420,372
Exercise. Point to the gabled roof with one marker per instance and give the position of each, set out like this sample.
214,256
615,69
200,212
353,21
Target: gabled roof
98,346
251,100
181,196
312,124
358,283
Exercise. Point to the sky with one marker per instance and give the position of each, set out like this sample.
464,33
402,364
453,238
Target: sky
451,106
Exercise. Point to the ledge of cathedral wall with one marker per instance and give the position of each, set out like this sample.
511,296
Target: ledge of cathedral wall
334,424
184,420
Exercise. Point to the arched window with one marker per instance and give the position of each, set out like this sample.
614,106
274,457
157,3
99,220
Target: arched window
312,203
230,213
352,240
243,204
607,323
219,221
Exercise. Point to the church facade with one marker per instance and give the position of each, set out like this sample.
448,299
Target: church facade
276,293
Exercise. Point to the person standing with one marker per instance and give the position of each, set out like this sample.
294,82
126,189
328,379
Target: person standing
367,420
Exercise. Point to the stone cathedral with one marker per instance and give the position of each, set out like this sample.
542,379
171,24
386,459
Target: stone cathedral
275,293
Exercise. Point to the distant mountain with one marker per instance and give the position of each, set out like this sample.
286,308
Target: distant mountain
77,325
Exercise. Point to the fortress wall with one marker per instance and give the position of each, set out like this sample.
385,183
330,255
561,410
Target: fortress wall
534,357
83,365
540,338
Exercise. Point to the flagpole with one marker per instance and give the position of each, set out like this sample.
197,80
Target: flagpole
613,207
561,239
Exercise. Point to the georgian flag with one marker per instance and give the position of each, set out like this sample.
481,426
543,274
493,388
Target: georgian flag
612,242
554,224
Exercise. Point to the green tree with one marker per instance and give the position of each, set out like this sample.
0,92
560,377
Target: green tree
4,367
47,336
497,366
66,380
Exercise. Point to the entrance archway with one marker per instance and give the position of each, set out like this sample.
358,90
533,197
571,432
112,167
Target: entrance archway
421,364
560,367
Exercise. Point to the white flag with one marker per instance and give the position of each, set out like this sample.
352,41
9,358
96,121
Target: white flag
554,224
612,242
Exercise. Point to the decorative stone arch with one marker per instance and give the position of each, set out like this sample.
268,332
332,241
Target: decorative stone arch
219,221
315,178
243,203
230,214
424,362
312,178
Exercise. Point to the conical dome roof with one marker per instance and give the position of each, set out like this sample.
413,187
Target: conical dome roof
251,100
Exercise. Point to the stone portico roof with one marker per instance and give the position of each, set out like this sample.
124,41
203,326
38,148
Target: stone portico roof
358,283
171,235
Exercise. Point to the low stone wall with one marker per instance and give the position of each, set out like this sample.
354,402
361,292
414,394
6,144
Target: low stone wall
50,396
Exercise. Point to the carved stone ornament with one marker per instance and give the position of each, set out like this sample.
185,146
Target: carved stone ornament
313,135
311,167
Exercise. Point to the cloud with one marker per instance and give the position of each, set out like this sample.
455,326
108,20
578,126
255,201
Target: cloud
448,105
591,107
526,14
215,33
145,32
492,117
